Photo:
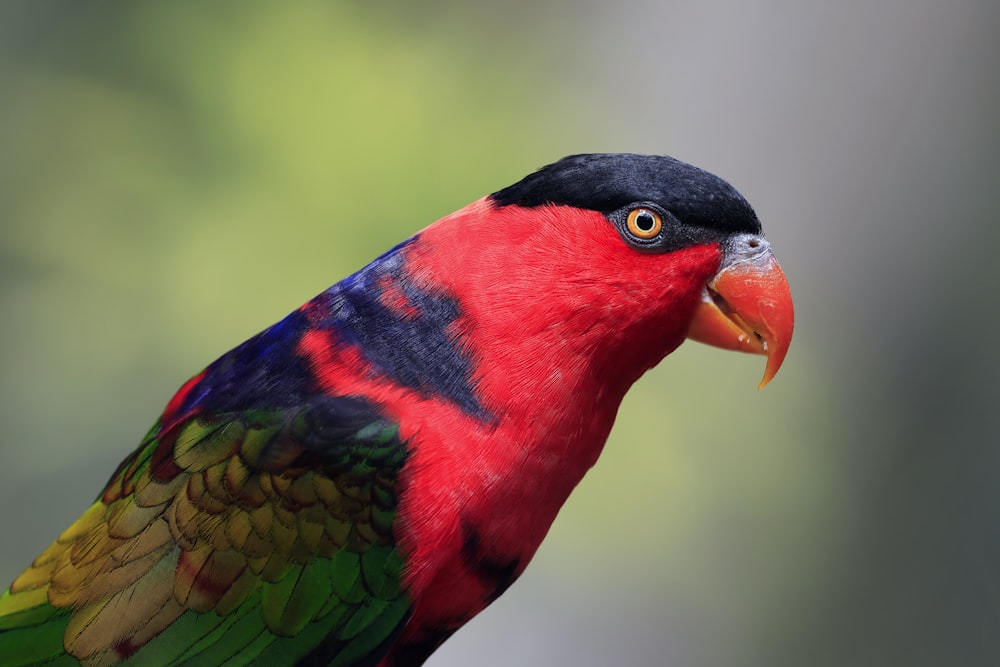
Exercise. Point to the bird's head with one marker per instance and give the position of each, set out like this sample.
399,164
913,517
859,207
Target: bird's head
639,250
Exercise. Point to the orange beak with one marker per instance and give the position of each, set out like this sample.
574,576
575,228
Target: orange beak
747,306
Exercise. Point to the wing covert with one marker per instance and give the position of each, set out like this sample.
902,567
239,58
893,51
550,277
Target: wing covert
252,536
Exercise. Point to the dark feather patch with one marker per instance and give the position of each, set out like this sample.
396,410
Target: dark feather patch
497,574
412,344
607,182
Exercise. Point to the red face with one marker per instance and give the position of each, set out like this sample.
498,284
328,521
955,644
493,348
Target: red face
561,281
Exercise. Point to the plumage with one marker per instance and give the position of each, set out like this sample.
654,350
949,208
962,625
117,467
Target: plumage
357,481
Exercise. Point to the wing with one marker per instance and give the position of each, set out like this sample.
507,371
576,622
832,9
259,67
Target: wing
257,536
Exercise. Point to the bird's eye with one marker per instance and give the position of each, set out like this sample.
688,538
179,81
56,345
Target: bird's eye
644,223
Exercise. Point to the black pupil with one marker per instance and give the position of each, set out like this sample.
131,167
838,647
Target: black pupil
645,222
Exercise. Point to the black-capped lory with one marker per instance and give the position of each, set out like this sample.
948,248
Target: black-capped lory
354,483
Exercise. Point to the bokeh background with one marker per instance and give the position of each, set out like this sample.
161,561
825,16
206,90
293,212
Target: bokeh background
176,176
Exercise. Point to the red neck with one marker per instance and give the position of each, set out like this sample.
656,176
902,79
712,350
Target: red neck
554,353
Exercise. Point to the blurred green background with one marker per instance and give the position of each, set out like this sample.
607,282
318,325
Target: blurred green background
176,176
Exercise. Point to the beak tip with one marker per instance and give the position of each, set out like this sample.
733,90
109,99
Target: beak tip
768,376
776,349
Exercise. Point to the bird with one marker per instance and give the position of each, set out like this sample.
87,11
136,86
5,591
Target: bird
354,483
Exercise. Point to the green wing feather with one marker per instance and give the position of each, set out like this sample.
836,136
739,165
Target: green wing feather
263,537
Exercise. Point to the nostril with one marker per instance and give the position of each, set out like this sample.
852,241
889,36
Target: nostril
754,243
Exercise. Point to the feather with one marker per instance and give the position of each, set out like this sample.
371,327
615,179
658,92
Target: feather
95,627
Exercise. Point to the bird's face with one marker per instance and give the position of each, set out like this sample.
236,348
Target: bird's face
616,258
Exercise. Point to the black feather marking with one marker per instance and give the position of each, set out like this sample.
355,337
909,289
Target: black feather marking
415,654
497,574
607,182
416,350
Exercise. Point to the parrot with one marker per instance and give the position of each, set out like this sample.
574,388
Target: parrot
356,482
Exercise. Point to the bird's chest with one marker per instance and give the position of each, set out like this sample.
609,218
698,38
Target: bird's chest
477,503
